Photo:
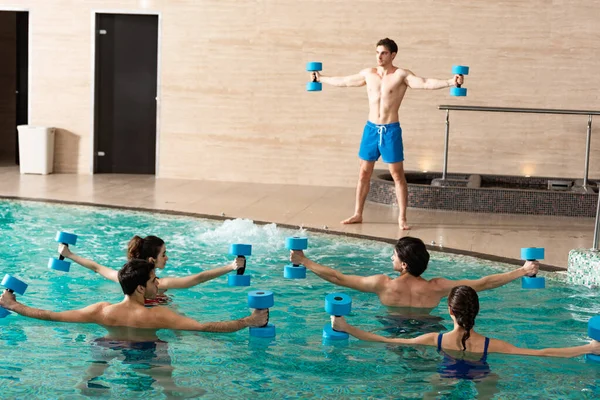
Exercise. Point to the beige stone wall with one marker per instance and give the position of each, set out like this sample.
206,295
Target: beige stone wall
233,105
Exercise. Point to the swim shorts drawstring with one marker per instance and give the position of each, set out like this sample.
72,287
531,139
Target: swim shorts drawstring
380,130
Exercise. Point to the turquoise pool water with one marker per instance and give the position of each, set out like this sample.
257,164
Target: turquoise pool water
48,360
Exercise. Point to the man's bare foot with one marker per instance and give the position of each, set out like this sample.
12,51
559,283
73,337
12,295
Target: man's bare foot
403,224
355,219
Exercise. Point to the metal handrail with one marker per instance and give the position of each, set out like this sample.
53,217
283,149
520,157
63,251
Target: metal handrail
589,113
518,110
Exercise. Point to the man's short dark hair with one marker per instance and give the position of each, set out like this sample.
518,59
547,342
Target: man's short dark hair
388,44
133,274
413,252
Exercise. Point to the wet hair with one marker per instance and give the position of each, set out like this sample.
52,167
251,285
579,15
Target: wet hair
413,252
144,248
388,44
464,303
133,274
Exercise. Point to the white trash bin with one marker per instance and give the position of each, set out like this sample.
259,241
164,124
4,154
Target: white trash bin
36,149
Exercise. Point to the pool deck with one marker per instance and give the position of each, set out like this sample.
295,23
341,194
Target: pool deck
499,236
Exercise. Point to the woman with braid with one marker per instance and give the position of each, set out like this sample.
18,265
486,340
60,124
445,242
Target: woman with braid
153,249
464,350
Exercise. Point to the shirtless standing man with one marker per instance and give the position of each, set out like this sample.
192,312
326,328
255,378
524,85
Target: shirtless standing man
382,135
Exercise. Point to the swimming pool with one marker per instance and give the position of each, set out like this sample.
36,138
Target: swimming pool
47,359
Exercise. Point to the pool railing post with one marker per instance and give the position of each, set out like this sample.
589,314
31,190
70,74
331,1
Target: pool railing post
445,170
596,225
587,153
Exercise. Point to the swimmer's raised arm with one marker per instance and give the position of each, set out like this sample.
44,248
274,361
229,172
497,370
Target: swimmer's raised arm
89,314
416,82
499,346
355,80
340,324
106,272
368,284
495,346
487,282
204,276
164,318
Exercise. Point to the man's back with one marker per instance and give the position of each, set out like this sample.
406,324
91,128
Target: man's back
129,321
408,291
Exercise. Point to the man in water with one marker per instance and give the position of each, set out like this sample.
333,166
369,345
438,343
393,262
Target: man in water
132,327
130,320
410,298
382,135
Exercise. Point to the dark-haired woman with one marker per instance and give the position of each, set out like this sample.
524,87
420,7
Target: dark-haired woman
153,249
460,345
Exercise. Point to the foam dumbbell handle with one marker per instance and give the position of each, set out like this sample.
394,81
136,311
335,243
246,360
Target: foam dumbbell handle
260,300
296,243
241,250
314,86
532,254
240,271
3,311
13,285
459,70
594,333
338,304
66,239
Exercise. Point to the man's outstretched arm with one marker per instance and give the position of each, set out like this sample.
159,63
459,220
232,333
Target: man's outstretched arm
416,82
168,319
490,281
84,315
341,81
369,284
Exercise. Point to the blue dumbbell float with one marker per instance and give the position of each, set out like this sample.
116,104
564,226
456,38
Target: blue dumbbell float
459,70
60,264
314,86
338,304
293,271
532,254
594,333
243,251
261,300
13,285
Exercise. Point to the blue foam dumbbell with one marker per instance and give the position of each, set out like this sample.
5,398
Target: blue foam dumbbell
60,264
239,279
338,304
594,333
260,300
13,285
532,254
458,90
314,86
293,271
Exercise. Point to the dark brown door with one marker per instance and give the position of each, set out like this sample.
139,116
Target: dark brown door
22,74
125,93
13,81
